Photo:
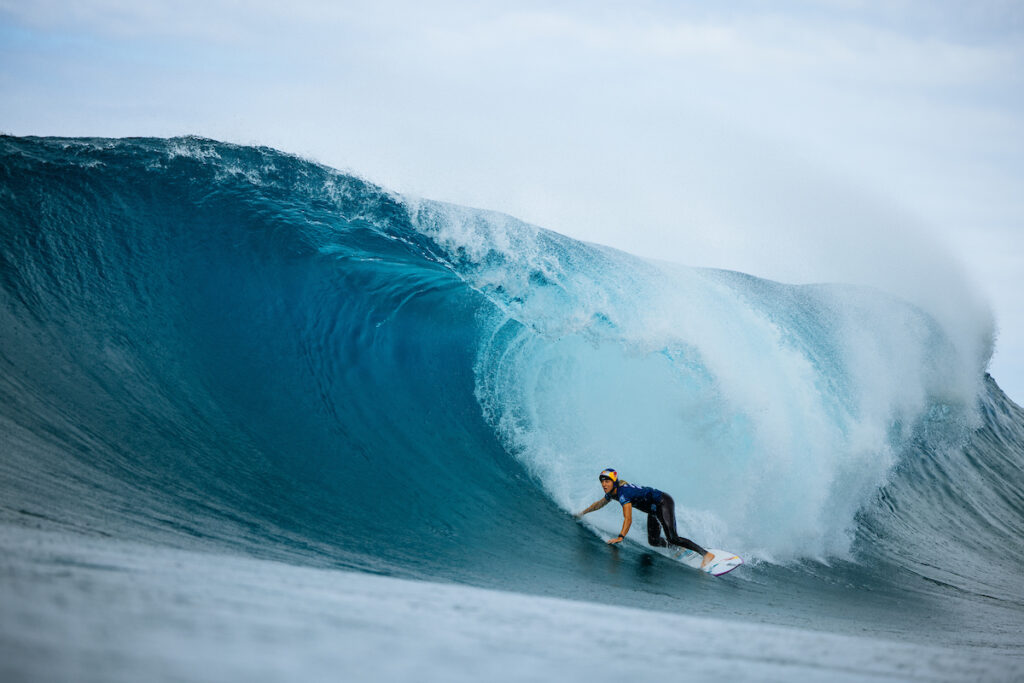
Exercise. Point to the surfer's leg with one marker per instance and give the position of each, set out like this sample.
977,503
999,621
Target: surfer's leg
667,516
654,532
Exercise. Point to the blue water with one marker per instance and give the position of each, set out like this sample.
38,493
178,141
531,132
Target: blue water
212,347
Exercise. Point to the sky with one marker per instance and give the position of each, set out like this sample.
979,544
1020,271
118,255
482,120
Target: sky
877,143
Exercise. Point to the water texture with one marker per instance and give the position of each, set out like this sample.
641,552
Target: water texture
208,347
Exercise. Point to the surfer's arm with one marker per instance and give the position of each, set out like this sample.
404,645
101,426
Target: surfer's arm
627,521
596,506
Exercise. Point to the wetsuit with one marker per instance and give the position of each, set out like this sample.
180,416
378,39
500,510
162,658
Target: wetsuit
661,514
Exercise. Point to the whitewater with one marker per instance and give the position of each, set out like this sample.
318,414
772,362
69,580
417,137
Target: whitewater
264,419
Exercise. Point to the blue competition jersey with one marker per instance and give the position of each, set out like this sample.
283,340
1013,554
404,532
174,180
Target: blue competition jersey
643,498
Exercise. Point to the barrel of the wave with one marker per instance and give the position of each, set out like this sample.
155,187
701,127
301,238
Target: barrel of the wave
661,516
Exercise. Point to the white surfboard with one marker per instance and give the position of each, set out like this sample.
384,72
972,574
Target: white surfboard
723,563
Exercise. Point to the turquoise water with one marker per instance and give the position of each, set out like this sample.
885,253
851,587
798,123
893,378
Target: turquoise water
216,348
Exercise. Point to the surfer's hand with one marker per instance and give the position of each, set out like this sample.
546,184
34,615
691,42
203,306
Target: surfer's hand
617,539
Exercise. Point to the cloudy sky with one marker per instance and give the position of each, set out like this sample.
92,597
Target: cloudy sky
878,143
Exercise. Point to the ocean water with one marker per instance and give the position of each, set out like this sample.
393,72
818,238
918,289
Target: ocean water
262,419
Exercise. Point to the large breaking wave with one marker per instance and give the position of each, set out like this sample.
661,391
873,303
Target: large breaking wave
206,344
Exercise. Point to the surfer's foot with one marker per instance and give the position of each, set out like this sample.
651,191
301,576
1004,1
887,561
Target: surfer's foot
708,559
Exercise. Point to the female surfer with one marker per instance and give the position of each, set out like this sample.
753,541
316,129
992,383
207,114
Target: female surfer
660,509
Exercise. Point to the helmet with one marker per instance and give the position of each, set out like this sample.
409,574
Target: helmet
609,474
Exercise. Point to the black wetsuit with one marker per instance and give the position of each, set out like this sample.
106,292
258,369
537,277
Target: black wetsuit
661,514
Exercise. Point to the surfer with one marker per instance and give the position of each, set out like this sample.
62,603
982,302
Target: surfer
660,509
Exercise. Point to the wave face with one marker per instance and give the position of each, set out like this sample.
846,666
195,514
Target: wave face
212,345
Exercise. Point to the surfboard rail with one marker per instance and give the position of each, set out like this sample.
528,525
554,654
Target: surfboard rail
723,563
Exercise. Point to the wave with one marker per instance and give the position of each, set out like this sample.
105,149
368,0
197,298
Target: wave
208,344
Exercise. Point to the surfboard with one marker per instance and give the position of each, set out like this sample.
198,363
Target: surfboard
723,563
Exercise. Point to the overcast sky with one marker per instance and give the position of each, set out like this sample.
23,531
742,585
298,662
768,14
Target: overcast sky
878,143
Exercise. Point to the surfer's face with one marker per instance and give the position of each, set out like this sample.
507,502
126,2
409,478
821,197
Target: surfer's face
607,485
